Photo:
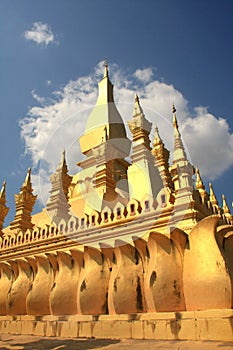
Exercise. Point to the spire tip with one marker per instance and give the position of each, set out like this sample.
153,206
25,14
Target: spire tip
173,108
136,98
105,68
3,190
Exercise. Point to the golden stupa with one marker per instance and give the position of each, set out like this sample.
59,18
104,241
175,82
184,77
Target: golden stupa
133,245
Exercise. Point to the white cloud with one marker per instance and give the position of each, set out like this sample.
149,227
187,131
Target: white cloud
144,75
210,142
59,121
40,33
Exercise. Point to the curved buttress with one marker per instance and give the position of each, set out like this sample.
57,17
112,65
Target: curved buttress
38,297
93,283
224,237
63,297
126,292
16,298
163,278
207,283
6,281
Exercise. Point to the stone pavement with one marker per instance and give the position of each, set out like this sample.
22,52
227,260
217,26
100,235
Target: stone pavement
18,342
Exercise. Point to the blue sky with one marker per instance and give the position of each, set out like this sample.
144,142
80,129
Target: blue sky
53,51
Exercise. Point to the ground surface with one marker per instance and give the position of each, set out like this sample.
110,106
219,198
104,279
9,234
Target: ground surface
18,342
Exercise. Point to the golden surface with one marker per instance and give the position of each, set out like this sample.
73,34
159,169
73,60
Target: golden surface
120,237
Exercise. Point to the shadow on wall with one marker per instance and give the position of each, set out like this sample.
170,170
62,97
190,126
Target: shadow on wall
231,323
176,326
50,344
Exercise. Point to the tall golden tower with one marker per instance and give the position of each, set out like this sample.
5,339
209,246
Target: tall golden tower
105,145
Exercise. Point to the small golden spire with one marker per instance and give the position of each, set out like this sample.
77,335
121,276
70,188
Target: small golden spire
225,207
157,139
3,191
57,206
199,182
137,107
200,187
24,202
3,208
27,182
157,132
175,124
105,68
63,160
161,155
63,154
179,151
139,126
213,198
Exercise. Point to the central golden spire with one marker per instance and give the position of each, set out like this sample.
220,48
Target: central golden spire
104,119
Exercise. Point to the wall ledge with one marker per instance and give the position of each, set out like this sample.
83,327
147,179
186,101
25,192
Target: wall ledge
185,325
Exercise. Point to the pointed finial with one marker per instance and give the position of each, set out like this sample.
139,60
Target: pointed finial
137,107
136,98
175,124
63,156
173,108
199,182
157,139
225,207
179,150
3,190
105,68
27,181
213,198
62,161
